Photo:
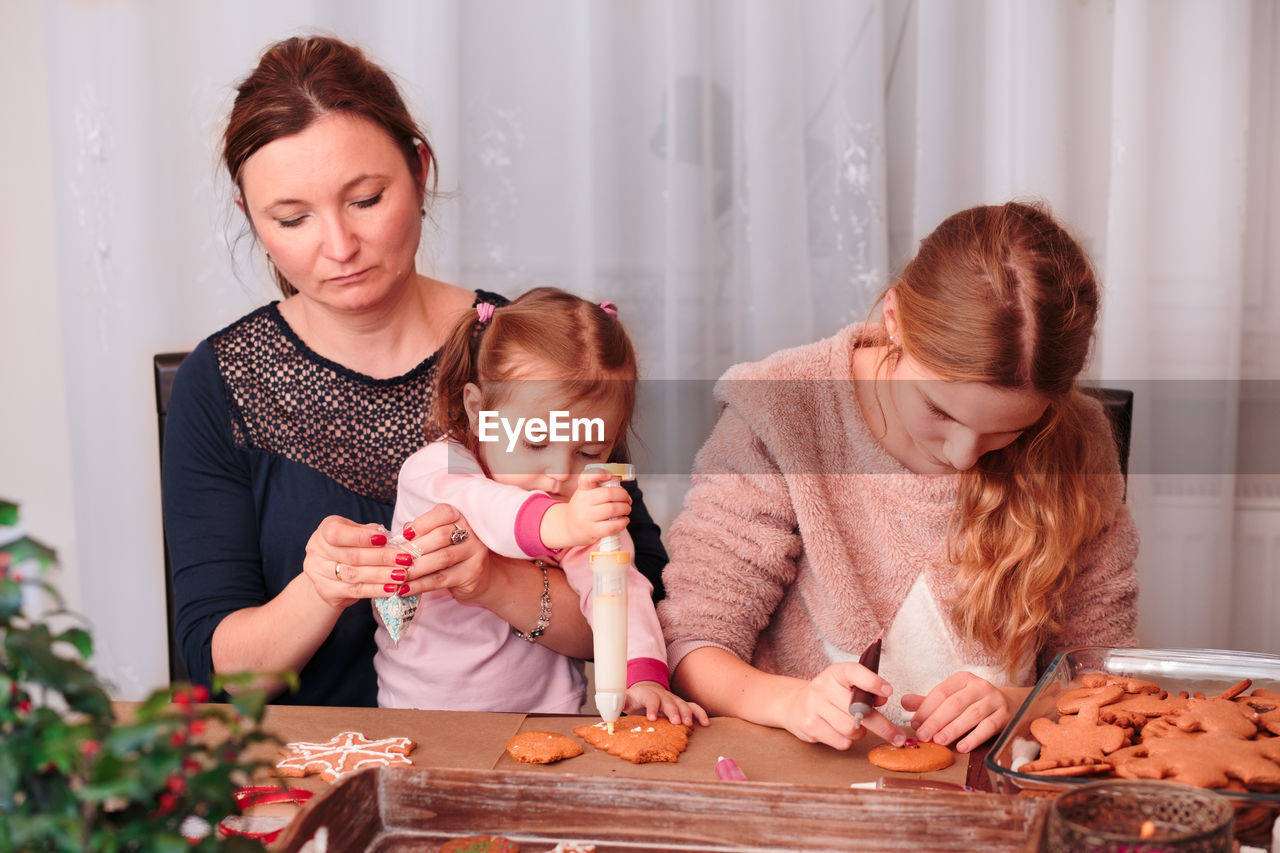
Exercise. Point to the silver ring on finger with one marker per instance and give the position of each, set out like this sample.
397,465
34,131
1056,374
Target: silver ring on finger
459,535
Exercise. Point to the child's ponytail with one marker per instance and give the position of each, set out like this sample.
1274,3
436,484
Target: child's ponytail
456,365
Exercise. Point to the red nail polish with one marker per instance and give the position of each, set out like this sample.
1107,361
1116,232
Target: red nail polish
399,575
404,559
404,589
389,587
377,540
409,532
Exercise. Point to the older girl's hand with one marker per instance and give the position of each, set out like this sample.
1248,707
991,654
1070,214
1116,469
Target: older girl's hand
964,705
817,711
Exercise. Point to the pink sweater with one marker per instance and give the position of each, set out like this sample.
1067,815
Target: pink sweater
458,657
801,538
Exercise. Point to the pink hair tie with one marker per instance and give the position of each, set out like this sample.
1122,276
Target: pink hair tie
609,308
484,310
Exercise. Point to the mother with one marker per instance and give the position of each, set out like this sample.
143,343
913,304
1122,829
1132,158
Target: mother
286,429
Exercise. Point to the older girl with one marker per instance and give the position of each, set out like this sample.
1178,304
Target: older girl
959,498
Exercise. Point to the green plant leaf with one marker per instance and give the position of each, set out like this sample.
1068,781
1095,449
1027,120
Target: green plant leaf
80,639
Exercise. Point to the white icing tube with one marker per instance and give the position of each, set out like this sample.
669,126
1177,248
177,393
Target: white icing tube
609,612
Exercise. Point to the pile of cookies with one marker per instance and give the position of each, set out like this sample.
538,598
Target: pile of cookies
1128,727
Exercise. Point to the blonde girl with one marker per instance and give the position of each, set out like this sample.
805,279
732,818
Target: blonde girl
960,498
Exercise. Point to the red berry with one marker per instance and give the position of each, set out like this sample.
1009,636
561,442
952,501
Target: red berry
166,802
182,698
197,727
190,765
89,748
201,693
178,738
24,706
176,784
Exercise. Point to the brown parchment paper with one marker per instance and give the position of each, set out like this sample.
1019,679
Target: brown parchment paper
764,754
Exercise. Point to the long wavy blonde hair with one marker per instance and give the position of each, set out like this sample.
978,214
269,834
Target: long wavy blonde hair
1004,295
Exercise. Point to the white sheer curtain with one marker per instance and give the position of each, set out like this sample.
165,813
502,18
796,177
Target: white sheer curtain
738,176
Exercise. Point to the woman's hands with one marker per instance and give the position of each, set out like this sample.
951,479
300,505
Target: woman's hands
962,705
817,711
346,562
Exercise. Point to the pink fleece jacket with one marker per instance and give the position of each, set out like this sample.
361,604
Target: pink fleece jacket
458,657
801,537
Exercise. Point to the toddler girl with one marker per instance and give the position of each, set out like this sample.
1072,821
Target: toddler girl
526,396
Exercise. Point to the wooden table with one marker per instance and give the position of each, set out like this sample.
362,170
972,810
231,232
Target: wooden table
461,759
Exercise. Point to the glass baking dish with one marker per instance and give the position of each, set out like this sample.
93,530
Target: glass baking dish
1205,671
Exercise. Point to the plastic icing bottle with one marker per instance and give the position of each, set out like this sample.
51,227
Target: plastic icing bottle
609,611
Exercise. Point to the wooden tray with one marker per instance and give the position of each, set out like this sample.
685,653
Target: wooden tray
402,809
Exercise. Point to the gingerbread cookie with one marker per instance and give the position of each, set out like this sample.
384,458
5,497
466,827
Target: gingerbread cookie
1267,708
1074,741
1135,711
638,739
1072,701
1129,685
480,844
1216,715
542,747
1207,760
345,752
912,757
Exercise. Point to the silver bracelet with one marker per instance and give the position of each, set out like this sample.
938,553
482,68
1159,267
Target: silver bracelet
544,614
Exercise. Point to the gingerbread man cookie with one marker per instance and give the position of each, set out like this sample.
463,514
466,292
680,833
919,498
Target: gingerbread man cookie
1074,741
345,752
638,739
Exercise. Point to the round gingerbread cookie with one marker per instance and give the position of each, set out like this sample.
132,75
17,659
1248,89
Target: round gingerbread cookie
480,844
542,747
911,757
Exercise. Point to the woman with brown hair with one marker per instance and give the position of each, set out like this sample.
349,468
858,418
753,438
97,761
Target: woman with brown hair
286,430
960,499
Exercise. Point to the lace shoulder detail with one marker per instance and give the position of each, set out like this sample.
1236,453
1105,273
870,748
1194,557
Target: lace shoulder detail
287,400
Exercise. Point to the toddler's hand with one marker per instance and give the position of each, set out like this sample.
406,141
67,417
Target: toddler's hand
593,513
652,699
962,705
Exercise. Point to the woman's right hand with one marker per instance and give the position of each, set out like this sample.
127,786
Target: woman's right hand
347,562
817,711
